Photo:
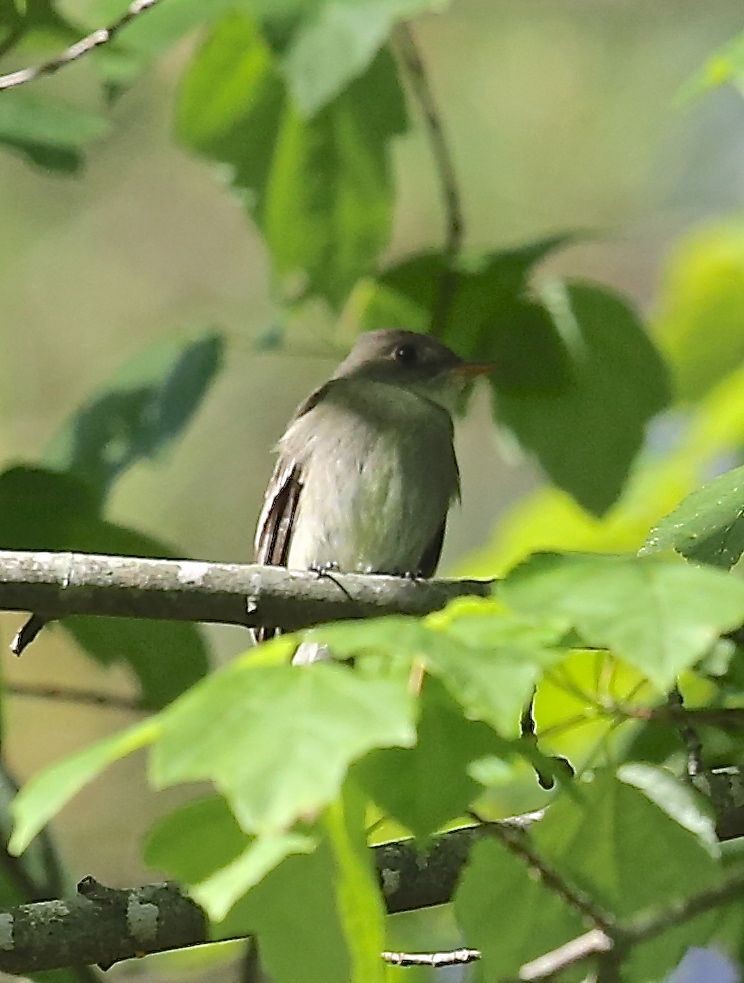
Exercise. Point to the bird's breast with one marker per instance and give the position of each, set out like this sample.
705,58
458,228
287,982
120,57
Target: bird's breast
376,485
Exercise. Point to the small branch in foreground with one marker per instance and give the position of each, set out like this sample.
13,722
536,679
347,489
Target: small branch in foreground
101,36
516,840
453,214
61,584
435,960
27,633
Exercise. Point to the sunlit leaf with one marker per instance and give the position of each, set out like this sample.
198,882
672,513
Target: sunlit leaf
708,526
428,785
309,726
698,320
660,615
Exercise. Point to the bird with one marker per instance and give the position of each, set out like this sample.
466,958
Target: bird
366,470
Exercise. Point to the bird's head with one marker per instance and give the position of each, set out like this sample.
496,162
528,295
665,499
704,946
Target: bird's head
414,362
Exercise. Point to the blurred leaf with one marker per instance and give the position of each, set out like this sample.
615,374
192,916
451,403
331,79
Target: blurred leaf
333,42
51,134
166,656
149,36
358,898
46,510
426,786
660,615
49,791
322,189
708,526
702,298
214,732
724,66
489,286
587,435
328,206
195,840
511,916
147,404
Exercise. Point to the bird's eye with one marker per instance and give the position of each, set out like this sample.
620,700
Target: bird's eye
405,354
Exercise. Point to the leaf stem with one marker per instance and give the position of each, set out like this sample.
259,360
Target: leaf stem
453,212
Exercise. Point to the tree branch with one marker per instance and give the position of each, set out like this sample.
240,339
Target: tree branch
59,584
103,35
453,214
103,925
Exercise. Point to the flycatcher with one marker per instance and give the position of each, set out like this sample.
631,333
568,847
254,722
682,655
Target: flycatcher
366,471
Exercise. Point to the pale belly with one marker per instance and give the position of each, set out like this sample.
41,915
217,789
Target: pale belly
376,503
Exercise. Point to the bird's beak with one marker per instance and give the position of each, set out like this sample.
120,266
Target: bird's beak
470,370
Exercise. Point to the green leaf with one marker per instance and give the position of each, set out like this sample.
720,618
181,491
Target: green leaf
309,726
660,615
51,134
195,840
220,892
45,794
329,200
508,914
587,434
166,656
301,893
491,679
427,786
321,189
358,899
46,510
334,42
143,408
489,288
599,838
698,319
708,526
576,377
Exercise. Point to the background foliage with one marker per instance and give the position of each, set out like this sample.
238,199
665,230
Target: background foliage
231,184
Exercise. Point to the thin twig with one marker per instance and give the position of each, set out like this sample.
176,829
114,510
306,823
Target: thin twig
103,35
435,960
552,963
453,212
647,925
42,691
519,844
27,633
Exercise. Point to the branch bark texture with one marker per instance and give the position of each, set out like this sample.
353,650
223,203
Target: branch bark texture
55,585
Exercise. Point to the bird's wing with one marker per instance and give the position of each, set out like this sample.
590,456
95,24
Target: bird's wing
275,524
433,551
274,530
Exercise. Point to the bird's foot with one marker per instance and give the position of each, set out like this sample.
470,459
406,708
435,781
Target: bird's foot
323,569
